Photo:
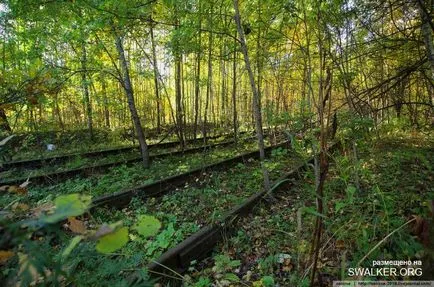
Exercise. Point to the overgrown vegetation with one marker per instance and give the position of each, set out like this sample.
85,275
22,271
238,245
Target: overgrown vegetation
344,86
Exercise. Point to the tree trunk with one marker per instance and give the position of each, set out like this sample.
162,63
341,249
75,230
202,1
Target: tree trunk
256,103
128,88
234,93
105,102
209,87
85,85
178,98
197,87
157,89
197,76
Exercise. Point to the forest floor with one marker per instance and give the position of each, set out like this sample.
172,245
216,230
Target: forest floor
375,185
368,197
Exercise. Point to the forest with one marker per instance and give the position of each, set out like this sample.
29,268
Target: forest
263,143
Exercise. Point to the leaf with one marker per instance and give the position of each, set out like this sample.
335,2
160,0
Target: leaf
14,189
339,206
113,241
76,226
340,244
67,206
18,190
72,244
20,207
313,211
147,225
268,281
350,190
232,277
5,256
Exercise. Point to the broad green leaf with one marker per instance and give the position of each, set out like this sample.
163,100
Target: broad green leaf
232,277
113,241
147,225
67,206
72,244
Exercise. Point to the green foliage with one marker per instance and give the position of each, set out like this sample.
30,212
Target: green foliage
354,128
203,282
147,226
268,281
113,241
223,263
39,256
279,153
72,244
67,206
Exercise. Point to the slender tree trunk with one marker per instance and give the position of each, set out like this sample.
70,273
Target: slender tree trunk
178,98
209,87
234,93
256,103
128,88
197,86
223,84
157,89
57,112
85,85
105,102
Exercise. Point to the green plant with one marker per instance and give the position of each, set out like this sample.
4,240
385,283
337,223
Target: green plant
33,259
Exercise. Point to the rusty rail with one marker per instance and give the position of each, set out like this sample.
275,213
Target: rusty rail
40,162
198,245
160,187
53,177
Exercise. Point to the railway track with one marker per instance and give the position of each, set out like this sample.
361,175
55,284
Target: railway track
200,244
160,187
57,176
40,162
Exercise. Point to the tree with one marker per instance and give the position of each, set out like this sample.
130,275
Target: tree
126,84
256,103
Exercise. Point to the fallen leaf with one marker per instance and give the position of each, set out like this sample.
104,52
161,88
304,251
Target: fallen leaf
76,226
5,256
17,189
287,268
340,244
20,207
